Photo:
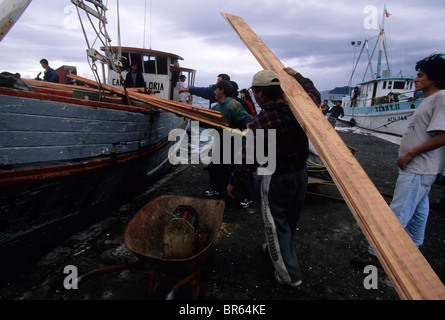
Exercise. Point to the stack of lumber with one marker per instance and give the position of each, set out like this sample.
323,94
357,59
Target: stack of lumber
211,117
409,271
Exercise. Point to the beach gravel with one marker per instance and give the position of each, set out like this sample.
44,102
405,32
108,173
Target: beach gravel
328,236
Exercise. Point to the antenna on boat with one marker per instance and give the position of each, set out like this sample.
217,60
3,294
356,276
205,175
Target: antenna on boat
382,43
151,10
119,42
145,22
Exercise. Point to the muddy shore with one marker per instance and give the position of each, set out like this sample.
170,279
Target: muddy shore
327,238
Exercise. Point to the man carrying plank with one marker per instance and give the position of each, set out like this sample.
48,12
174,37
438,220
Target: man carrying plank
283,192
421,156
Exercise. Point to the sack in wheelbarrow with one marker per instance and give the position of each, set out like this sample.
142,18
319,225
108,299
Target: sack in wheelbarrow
180,233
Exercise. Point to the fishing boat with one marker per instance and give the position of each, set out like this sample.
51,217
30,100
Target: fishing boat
70,154
384,103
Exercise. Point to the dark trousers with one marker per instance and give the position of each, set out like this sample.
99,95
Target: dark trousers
219,175
282,197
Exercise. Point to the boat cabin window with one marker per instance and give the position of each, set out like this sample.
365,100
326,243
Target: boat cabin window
156,64
136,58
162,65
384,84
399,85
150,64
390,85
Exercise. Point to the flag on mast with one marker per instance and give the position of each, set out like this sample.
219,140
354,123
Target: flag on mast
387,13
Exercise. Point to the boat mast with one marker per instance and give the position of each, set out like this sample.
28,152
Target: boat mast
381,38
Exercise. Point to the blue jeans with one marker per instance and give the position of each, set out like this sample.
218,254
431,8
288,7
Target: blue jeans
411,205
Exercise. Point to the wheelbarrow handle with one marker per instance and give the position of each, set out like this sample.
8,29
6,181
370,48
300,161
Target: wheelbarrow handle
107,270
190,278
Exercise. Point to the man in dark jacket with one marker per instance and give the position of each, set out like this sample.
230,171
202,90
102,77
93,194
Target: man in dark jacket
283,191
134,78
50,75
336,111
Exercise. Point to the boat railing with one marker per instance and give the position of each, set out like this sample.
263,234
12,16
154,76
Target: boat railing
391,97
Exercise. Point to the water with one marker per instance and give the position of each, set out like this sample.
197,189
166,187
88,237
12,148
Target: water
200,102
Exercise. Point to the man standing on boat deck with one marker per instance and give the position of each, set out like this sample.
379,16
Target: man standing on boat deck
421,155
50,75
134,78
284,191
183,96
237,118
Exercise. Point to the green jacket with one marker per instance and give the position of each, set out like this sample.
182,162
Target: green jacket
234,112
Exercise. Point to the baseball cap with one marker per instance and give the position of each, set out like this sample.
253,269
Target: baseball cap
265,78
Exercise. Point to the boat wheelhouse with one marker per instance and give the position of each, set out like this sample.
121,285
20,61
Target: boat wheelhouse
377,91
161,71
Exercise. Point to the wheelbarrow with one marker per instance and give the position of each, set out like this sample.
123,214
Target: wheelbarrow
144,237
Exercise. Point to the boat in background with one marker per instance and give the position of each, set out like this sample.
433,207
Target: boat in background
70,154
384,103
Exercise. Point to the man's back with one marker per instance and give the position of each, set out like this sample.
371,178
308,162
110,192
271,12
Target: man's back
234,112
292,146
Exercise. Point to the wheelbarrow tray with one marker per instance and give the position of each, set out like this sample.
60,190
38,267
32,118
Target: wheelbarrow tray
144,233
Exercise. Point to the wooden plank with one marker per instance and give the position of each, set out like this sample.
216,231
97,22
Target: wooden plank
411,274
211,117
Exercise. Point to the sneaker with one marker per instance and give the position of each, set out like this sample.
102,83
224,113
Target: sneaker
246,203
365,259
292,284
211,193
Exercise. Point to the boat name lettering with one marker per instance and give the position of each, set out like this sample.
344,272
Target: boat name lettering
388,107
116,83
397,119
157,86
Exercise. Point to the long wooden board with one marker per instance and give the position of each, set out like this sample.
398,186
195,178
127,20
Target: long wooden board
211,117
411,274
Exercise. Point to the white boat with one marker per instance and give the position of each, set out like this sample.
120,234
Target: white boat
383,103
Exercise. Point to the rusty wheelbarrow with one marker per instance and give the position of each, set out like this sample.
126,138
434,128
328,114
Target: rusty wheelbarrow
144,237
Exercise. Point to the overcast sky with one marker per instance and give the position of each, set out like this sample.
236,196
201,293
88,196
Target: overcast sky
312,36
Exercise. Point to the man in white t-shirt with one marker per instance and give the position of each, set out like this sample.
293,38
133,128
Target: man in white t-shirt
182,85
421,155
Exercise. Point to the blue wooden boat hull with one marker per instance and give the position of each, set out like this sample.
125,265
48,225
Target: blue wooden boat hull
65,165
